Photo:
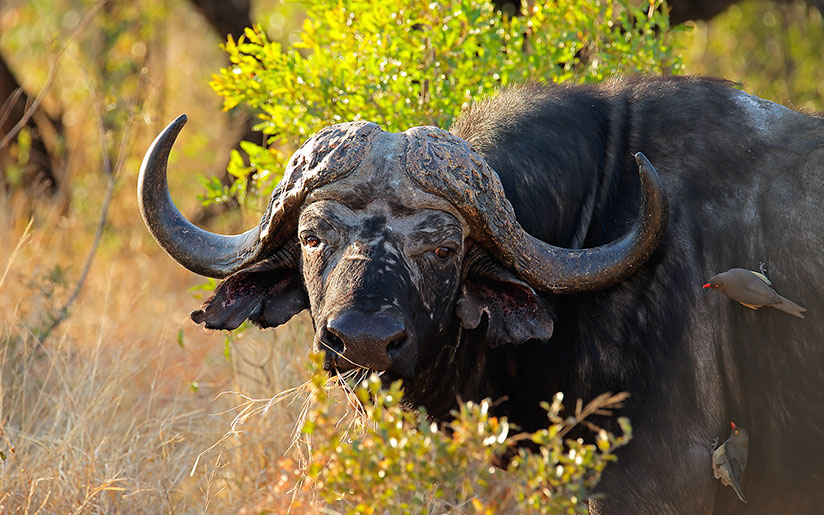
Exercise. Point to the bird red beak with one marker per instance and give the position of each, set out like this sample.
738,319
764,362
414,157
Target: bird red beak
732,425
708,285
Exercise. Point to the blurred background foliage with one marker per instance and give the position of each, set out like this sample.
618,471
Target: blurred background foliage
773,49
151,60
110,412
409,63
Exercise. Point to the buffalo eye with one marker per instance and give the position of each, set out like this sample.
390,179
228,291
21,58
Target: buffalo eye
443,252
311,241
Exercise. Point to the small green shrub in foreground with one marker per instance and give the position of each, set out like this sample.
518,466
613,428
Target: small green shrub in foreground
398,461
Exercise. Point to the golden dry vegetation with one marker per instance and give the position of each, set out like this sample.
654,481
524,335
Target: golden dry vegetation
111,412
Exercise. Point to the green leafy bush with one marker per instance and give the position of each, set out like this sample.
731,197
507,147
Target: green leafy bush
408,63
391,460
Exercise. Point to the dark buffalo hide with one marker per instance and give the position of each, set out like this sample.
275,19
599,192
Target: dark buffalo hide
400,276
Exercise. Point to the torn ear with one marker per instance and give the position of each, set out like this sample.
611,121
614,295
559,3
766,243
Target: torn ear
268,293
514,312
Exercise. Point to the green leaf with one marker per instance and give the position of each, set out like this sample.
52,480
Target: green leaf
227,348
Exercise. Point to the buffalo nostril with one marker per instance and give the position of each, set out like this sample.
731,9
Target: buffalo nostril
394,347
331,342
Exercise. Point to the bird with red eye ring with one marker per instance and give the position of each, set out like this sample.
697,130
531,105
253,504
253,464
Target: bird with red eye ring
443,252
311,241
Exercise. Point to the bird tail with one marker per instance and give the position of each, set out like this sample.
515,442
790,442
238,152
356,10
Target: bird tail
738,492
789,307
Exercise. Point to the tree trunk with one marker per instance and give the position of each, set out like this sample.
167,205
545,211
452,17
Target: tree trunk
35,168
227,17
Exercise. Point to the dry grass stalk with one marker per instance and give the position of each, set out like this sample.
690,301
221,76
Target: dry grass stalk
103,419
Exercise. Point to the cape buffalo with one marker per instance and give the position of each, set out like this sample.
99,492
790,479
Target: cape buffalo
526,252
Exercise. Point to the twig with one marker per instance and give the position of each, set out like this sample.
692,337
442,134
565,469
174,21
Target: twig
52,73
42,504
6,108
104,209
600,405
15,251
104,486
64,311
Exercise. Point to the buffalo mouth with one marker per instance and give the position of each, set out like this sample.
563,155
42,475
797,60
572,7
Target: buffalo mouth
335,363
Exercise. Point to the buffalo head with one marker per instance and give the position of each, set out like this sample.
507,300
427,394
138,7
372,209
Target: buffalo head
395,242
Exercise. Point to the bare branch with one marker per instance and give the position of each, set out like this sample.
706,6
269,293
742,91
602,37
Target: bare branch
6,108
600,405
104,209
52,73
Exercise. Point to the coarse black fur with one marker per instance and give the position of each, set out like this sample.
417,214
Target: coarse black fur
745,182
691,363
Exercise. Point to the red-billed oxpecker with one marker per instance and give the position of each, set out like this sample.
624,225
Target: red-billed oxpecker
730,459
752,289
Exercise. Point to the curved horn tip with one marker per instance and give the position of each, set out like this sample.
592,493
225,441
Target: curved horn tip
650,179
159,150
164,141
176,125
642,160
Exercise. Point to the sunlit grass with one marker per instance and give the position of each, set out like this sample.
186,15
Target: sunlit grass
129,407
111,412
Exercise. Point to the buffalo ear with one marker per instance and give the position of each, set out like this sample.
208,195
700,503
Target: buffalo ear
514,312
267,293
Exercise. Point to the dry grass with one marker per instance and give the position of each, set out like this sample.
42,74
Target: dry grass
110,413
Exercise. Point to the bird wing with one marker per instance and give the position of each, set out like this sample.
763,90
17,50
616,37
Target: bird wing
758,293
735,469
737,456
762,277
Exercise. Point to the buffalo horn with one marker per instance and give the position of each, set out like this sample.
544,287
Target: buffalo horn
578,270
200,251
465,179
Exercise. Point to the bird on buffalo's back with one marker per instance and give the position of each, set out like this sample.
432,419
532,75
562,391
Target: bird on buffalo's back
730,459
752,289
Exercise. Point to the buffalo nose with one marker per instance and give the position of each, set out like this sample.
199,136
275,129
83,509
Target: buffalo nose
371,340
